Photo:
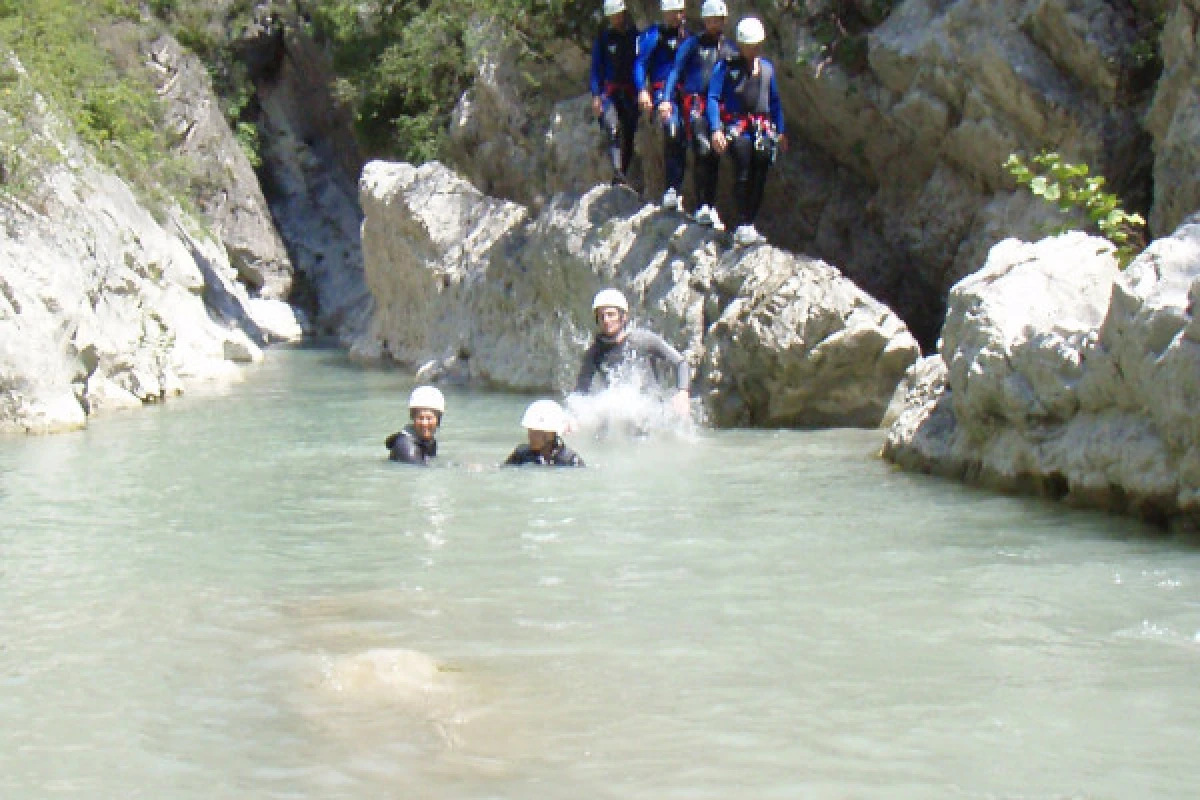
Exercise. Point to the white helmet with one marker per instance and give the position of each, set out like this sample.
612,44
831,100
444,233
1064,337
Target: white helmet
545,415
750,31
613,7
672,5
714,8
610,298
427,397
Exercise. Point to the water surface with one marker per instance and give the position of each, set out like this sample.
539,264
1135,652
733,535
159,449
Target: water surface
237,596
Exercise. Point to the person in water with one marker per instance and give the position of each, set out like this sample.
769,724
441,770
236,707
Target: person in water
746,117
617,346
614,99
415,444
545,422
656,50
689,77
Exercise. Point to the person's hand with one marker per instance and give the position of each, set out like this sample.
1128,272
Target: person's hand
719,142
645,101
681,403
597,106
664,110
783,143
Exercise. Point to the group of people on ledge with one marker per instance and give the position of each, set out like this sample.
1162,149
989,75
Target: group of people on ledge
615,349
710,93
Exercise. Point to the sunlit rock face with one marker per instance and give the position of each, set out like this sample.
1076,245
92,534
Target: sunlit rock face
106,305
479,287
1060,374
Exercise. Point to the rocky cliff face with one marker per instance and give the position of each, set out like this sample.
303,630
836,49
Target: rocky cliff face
310,167
1059,374
482,289
228,192
103,304
901,130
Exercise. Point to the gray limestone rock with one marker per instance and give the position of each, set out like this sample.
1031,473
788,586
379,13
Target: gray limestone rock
472,285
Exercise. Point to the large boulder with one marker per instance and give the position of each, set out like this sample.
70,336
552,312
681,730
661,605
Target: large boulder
457,277
1060,374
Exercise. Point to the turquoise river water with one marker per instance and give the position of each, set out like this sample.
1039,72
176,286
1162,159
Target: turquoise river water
236,596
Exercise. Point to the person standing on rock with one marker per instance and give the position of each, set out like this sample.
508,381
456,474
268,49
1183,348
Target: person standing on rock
747,120
545,422
614,98
415,444
657,48
616,347
694,64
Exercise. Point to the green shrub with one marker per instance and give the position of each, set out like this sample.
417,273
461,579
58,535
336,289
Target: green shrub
1073,189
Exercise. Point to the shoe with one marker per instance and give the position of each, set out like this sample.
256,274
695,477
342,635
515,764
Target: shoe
746,235
704,215
670,201
619,179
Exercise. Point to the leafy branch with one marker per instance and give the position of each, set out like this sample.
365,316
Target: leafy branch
1072,188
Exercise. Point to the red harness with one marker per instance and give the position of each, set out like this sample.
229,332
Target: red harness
748,123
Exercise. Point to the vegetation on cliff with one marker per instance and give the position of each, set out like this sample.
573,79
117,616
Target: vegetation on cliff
82,57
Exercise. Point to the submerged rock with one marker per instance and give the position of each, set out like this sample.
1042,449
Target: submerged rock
475,284
1060,374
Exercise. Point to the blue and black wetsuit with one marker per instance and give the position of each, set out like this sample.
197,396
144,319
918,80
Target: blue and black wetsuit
407,448
657,48
747,107
613,57
560,456
689,78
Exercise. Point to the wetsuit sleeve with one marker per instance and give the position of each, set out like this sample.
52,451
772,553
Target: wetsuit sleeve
681,59
659,348
645,46
716,85
597,83
514,459
776,105
587,371
405,451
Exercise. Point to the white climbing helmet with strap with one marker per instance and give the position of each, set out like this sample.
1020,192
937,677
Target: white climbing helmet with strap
714,8
672,5
610,298
612,7
750,31
427,397
545,415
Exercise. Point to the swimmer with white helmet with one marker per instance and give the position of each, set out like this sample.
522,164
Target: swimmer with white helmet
546,422
616,345
415,444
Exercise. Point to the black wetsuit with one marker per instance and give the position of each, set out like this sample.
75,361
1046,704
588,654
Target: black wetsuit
560,456
407,448
607,356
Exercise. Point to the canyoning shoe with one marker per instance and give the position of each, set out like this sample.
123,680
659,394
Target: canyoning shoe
619,179
670,201
745,235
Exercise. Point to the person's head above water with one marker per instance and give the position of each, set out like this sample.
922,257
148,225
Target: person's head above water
545,421
611,310
425,407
